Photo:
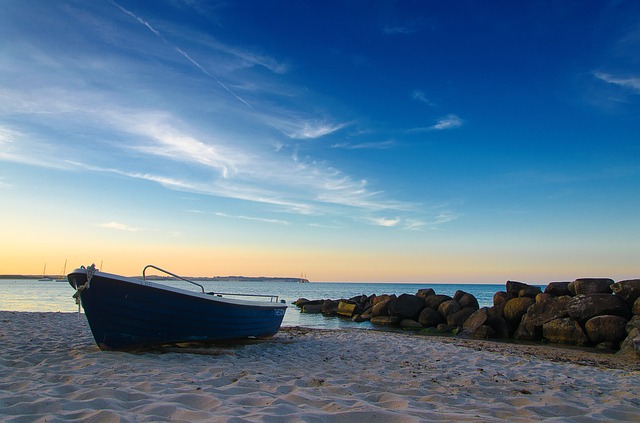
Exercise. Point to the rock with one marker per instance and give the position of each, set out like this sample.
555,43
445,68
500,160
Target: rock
300,302
564,331
468,301
607,329
547,308
381,308
425,292
557,289
500,298
410,324
514,287
631,345
477,319
527,331
361,300
460,317
636,307
434,301
530,291
406,306
330,308
483,332
572,288
449,307
380,298
363,317
498,323
444,328
346,309
385,320
515,309
311,308
629,290
586,286
430,317
584,307
634,323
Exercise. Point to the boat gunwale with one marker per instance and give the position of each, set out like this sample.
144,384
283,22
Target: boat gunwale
162,287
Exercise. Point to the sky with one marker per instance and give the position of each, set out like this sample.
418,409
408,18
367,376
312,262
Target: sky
361,141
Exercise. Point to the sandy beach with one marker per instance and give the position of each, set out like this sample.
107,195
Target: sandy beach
52,371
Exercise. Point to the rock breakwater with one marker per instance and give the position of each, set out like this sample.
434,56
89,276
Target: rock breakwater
594,312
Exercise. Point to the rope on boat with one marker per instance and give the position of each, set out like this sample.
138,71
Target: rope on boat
91,270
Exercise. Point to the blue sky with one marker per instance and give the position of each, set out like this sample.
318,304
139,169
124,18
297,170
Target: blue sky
357,141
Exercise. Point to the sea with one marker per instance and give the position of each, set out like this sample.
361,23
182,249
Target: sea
53,296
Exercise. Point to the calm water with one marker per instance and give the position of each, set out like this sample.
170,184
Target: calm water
33,295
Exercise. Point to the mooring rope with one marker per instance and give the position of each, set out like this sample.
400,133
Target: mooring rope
91,270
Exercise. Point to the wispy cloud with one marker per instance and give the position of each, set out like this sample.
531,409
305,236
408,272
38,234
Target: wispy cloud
421,97
374,145
119,226
384,221
307,129
393,30
257,219
448,122
632,83
5,185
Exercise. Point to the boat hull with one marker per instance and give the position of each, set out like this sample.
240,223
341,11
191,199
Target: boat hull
127,313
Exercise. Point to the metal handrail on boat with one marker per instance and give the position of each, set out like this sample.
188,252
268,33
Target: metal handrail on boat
144,277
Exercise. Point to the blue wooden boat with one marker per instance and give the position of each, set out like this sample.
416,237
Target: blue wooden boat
129,313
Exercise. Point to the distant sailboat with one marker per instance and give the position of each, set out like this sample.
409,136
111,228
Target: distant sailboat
45,278
63,274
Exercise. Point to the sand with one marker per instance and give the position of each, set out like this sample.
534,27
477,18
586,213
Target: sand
52,371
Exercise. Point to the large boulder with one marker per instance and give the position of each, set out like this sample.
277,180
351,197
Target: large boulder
634,323
500,298
629,290
527,331
636,307
380,298
584,307
460,317
430,317
406,306
381,305
530,291
514,287
586,286
631,345
347,308
434,301
547,308
425,292
606,329
557,289
564,331
449,307
515,308
479,325
330,307
468,301
477,319
386,320
312,307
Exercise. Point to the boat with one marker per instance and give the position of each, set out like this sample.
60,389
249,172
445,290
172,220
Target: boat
63,277
44,277
127,313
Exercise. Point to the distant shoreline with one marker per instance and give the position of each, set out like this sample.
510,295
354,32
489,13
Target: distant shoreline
202,278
